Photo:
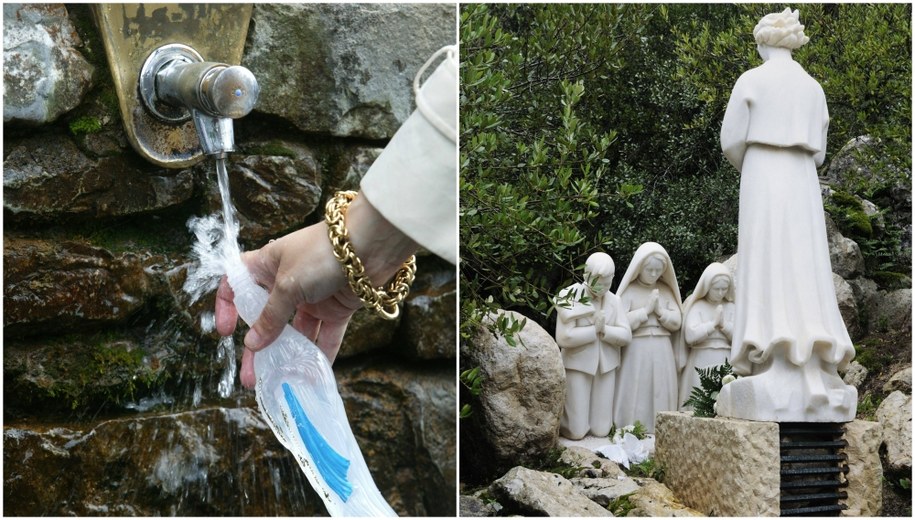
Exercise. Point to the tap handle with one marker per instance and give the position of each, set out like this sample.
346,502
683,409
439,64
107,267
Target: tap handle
228,91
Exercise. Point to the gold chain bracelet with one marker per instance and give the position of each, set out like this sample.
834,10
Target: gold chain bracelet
384,301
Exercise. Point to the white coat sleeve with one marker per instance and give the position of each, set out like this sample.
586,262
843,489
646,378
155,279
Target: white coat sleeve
413,183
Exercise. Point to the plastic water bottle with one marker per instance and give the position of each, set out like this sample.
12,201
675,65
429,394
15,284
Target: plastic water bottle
297,394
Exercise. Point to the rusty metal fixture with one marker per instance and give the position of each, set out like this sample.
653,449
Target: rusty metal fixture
813,469
131,33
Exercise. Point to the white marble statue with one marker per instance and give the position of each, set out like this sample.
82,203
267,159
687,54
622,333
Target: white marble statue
590,329
788,334
708,324
647,380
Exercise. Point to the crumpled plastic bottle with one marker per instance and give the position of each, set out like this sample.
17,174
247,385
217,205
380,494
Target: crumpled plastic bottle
297,394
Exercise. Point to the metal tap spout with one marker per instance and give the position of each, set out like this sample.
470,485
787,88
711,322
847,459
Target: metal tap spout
176,84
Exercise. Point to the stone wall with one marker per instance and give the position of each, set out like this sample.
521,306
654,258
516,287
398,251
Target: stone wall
111,373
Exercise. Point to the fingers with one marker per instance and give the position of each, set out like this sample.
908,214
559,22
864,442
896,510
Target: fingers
226,313
247,369
307,324
331,337
280,307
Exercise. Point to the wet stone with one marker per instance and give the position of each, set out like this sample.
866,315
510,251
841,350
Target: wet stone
429,327
273,194
47,177
66,287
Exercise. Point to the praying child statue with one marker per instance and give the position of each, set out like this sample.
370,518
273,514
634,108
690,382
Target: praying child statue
590,329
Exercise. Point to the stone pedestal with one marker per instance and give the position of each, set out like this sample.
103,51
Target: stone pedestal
730,467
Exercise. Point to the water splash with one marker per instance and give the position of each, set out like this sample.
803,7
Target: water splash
226,351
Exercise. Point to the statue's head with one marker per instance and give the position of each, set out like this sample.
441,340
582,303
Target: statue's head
599,271
782,29
719,288
652,269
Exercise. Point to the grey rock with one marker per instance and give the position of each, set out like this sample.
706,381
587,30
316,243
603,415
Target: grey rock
893,311
590,462
844,253
517,417
655,499
472,506
895,417
900,382
845,297
855,374
44,75
603,491
48,177
536,493
349,70
866,292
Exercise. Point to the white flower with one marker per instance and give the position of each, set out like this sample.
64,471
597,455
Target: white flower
728,379
714,396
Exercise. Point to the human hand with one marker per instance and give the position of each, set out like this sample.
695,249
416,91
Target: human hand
306,281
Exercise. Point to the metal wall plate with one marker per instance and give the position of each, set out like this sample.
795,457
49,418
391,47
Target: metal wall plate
131,32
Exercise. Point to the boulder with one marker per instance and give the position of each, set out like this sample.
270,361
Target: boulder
845,297
48,177
344,83
603,491
350,167
528,492
67,287
516,418
592,465
895,417
901,382
866,292
472,506
655,499
855,374
865,474
44,75
893,311
844,253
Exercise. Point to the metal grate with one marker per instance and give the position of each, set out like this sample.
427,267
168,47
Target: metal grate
813,468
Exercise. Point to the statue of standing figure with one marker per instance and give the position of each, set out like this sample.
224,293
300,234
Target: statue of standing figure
591,326
647,381
708,325
789,337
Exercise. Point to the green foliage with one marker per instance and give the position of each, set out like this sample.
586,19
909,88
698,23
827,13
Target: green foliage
637,429
702,398
472,379
621,506
85,125
551,463
867,407
649,468
905,483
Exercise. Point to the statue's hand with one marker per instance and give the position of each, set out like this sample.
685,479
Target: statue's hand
599,322
653,302
719,316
